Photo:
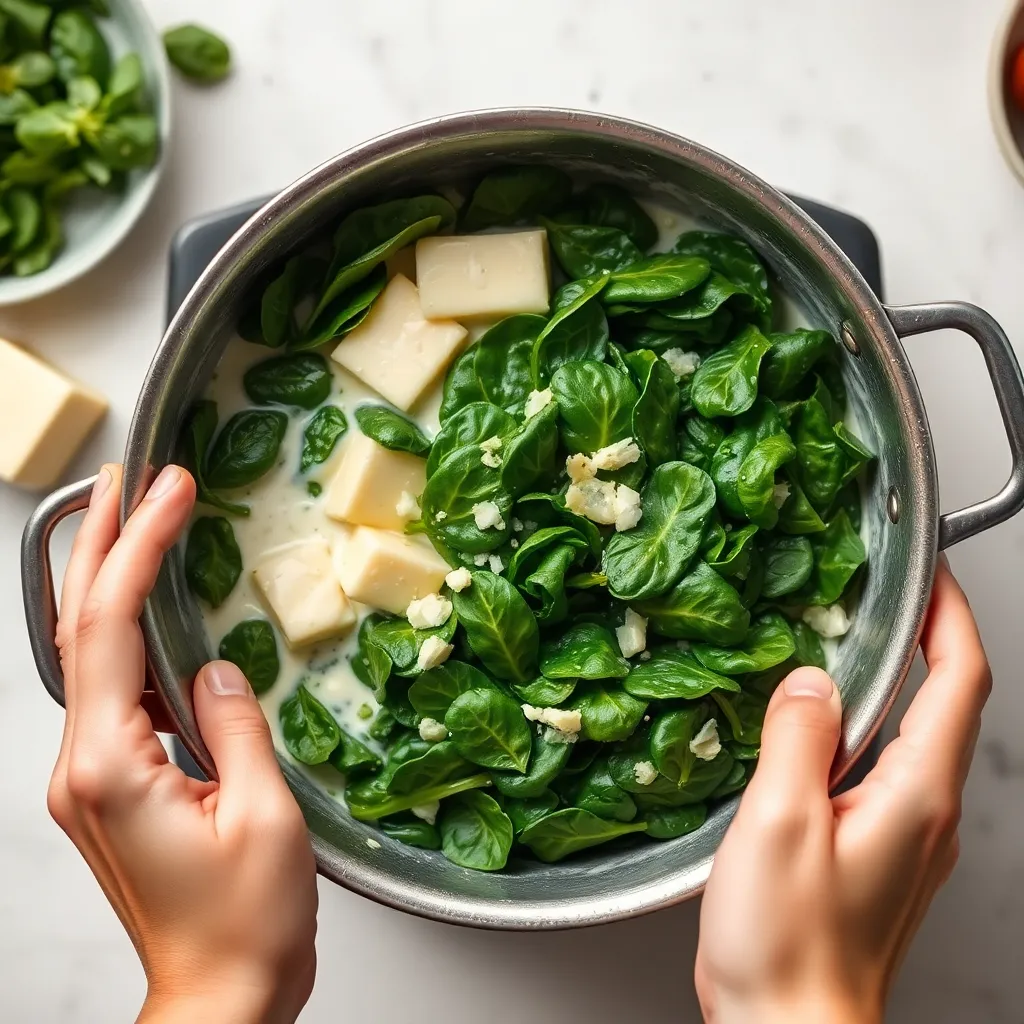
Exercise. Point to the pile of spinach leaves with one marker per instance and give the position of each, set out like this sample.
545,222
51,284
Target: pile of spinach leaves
751,509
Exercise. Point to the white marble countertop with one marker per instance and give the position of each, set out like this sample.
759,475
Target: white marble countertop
877,107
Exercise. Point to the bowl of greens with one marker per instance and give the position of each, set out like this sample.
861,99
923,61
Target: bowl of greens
533,448
84,122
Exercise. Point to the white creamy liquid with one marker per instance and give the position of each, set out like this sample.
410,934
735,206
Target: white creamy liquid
282,511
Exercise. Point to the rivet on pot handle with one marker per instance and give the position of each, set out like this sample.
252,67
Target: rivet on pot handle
1008,385
37,579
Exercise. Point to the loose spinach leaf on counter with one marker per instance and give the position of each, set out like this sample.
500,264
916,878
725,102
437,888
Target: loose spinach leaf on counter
322,433
391,430
252,646
310,732
213,561
197,53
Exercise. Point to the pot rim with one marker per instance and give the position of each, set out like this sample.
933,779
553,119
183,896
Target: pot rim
204,295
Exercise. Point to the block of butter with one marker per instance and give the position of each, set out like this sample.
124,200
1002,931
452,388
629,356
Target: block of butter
44,418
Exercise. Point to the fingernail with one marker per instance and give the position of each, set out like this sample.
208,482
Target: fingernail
103,482
164,483
225,679
808,682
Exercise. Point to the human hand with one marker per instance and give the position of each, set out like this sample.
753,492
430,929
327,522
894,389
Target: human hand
813,902
214,882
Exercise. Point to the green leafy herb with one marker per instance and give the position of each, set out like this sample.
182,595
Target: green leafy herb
500,627
197,53
252,646
322,433
391,430
213,562
310,732
302,381
489,729
475,832
573,829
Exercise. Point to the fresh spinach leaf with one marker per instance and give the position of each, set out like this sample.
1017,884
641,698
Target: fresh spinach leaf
213,561
475,832
673,822
797,516
701,606
600,795
671,735
820,462
344,313
608,712
401,643
353,757
733,558
649,559
489,729
755,484
611,206
657,409
838,553
391,430
584,651
857,455
195,443
791,357
789,562
573,829
302,381
500,627
769,642
547,759
671,674
523,813
699,441
549,509
577,329
310,732
539,566
432,693
545,693
369,800
438,764
808,646
725,384
252,646
657,278
595,404
497,369
412,831
515,195
470,425
585,250
529,457
246,448
322,433
76,45
371,663
734,259
197,53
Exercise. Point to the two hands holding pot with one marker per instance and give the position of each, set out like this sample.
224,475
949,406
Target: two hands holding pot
810,908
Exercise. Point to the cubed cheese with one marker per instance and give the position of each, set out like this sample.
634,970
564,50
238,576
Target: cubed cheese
429,612
632,634
388,570
369,485
44,418
483,275
396,351
300,587
706,744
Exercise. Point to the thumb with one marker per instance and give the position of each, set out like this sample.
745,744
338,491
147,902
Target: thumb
232,725
799,738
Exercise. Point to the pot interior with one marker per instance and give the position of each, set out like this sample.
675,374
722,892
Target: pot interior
612,882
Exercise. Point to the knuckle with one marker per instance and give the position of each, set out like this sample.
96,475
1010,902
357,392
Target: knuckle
778,820
91,620
88,781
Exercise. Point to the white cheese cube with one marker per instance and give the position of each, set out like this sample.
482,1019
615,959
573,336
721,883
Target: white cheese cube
388,570
477,276
395,350
301,589
369,485
44,418
632,634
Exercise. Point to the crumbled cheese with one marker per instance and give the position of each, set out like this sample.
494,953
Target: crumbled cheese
645,655
490,458
529,524
632,634
480,559
373,844
433,652
579,468
615,456
513,543
517,525
706,744
438,516
569,722
644,772
827,622
427,812
495,563
458,579
487,516
428,612
594,499
780,494
432,731
407,507
537,400
682,364
627,508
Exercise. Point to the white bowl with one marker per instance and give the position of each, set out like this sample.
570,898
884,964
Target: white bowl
94,221
1007,118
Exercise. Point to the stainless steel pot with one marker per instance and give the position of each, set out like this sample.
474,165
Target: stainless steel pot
902,506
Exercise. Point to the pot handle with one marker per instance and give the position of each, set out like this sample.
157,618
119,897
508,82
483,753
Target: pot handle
1008,385
37,579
